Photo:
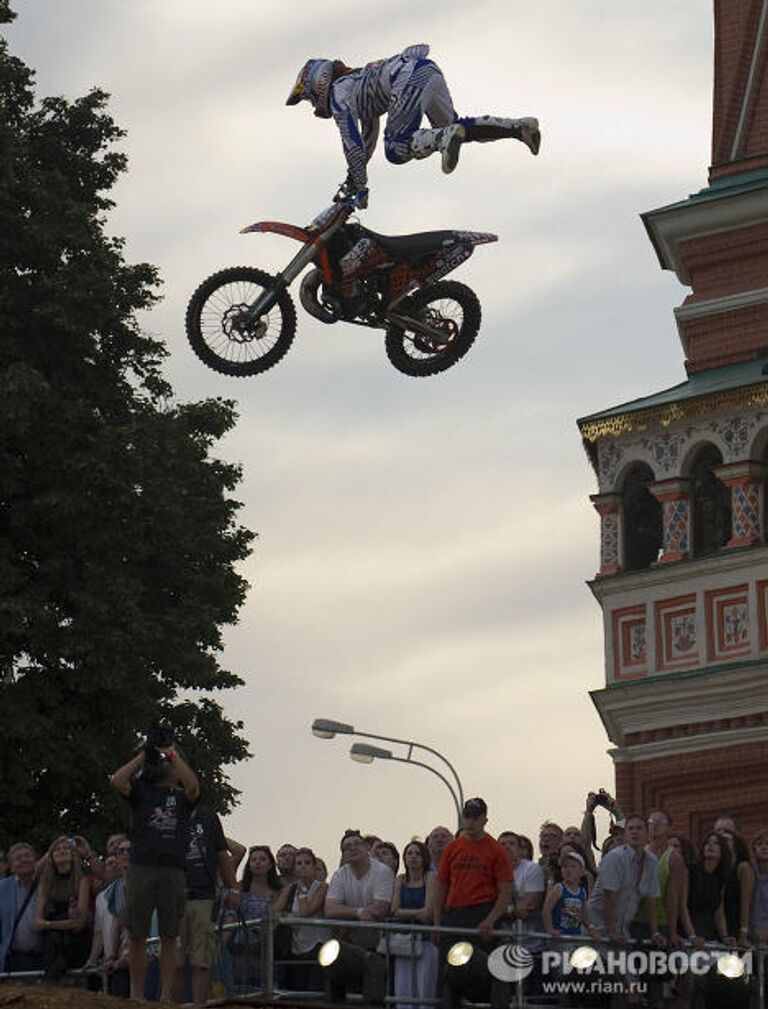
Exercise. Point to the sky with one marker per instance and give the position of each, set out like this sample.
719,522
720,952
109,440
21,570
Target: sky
424,544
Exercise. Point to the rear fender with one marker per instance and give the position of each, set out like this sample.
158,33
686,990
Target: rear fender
300,235
457,252
475,237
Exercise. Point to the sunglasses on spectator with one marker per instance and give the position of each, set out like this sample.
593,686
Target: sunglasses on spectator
124,849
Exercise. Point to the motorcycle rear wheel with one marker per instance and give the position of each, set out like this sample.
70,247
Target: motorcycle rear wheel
450,308
220,332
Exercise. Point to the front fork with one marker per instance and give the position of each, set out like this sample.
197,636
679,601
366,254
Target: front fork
269,298
286,277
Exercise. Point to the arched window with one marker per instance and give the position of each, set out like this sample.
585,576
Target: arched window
642,519
710,504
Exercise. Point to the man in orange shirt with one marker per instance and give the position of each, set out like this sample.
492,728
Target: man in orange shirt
474,880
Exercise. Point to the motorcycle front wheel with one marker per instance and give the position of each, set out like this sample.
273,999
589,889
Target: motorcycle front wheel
452,311
223,334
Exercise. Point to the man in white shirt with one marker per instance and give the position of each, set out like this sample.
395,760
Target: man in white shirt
529,883
627,874
361,888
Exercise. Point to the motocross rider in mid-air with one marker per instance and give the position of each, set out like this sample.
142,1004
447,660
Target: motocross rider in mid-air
405,88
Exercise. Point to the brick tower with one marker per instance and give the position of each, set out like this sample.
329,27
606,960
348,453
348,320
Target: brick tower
683,582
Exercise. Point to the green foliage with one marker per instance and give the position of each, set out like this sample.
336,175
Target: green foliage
118,534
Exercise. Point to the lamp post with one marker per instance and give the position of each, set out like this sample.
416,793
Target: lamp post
327,728
364,753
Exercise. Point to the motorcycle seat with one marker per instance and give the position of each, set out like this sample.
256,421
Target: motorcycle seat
411,248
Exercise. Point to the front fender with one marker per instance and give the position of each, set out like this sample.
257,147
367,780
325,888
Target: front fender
303,235
279,228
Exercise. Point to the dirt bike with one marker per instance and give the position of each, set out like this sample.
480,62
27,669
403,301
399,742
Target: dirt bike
241,321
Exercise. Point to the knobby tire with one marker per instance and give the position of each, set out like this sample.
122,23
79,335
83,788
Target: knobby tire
404,350
206,318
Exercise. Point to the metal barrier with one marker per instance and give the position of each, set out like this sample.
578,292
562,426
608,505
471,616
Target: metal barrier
256,971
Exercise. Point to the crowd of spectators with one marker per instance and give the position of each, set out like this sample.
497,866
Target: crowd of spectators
69,907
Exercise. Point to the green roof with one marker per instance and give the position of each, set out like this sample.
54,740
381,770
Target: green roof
729,185
726,188
702,383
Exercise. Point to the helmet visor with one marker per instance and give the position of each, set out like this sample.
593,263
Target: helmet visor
298,91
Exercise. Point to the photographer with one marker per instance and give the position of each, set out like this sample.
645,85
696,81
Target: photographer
161,788
588,840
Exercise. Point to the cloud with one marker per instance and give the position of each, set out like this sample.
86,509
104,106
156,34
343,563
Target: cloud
423,544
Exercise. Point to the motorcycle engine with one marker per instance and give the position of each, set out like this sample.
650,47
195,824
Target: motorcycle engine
359,299
326,310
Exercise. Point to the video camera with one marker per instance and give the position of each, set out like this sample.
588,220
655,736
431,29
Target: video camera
602,798
159,737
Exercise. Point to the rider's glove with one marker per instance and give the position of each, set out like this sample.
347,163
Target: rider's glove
356,189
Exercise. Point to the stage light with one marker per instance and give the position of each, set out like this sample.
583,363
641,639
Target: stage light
467,973
328,952
730,965
460,954
583,958
345,965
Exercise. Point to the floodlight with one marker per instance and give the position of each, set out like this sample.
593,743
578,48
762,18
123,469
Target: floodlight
583,958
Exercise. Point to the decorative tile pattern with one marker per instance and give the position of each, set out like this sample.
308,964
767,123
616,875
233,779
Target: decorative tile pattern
676,516
665,448
736,432
609,541
630,654
727,623
745,510
609,457
676,634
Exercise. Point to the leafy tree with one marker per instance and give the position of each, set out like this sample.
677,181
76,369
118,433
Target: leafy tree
118,532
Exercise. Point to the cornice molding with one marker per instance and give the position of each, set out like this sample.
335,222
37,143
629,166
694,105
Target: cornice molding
686,744
691,572
669,413
720,212
717,306
660,703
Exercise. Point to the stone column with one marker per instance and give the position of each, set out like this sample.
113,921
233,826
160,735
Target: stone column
675,499
608,507
746,482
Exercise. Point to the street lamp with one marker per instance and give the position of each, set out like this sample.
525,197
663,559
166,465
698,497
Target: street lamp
327,728
363,753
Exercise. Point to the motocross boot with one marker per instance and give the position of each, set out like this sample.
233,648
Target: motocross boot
447,140
484,129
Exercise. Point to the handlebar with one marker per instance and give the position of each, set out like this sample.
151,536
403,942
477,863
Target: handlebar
354,198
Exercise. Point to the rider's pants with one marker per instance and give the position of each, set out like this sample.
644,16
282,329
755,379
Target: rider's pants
422,93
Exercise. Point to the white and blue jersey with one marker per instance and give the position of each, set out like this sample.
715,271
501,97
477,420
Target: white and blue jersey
405,87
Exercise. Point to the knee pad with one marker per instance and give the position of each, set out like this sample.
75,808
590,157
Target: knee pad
397,152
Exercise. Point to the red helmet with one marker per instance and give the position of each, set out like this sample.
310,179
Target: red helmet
314,83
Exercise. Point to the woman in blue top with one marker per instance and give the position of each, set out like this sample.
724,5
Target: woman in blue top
412,902
259,888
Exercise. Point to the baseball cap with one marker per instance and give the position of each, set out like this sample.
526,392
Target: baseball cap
573,854
474,807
